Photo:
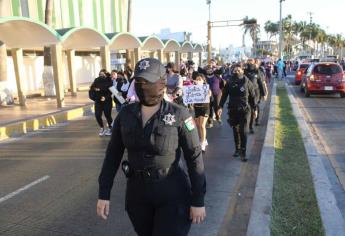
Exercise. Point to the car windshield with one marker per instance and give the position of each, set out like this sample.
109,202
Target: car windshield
303,66
327,69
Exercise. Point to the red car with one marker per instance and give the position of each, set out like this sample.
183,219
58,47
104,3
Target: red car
300,71
324,77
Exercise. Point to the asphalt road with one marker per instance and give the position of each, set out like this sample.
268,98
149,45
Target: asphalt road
52,175
326,116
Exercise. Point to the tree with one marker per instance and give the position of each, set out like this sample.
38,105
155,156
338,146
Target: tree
48,80
252,29
272,29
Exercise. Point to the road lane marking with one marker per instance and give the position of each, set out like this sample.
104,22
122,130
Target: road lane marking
26,187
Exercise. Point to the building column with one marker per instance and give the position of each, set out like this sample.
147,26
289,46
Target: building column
56,56
167,57
3,62
71,72
190,56
200,59
17,55
177,60
105,56
132,59
160,55
137,54
152,54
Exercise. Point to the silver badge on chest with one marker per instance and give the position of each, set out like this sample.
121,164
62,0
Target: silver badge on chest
169,119
242,89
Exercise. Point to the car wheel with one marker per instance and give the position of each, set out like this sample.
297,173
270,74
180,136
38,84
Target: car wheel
342,95
306,92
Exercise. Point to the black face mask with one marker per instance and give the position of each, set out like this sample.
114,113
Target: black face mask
150,94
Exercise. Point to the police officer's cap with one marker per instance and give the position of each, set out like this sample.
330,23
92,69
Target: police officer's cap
149,69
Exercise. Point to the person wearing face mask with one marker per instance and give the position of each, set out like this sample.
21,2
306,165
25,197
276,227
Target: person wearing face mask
159,198
201,111
241,95
215,83
103,101
256,77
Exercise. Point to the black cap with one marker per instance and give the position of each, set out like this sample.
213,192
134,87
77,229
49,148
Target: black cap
149,69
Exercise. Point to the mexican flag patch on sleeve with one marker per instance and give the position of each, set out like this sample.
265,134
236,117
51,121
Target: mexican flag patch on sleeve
189,123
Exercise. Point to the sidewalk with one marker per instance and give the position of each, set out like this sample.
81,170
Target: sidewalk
41,112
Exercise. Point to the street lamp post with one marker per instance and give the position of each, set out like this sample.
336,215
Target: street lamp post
280,31
209,46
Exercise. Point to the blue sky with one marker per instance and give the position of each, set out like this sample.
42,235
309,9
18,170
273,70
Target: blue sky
149,16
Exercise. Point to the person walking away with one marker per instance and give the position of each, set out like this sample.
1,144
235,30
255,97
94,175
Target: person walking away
280,68
241,95
103,101
159,198
202,111
262,89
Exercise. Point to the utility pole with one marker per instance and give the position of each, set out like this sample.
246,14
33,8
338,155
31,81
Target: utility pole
129,28
280,31
209,45
310,23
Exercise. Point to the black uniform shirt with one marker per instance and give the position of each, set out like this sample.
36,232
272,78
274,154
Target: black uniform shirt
154,146
241,93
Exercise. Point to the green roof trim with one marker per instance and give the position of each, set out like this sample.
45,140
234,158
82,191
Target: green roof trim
66,32
18,18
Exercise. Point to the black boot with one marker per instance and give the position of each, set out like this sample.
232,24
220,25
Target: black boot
236,153
251,131
243,155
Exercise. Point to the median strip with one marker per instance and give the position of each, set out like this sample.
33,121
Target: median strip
294,208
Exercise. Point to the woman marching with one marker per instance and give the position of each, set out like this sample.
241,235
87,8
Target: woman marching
159,198
202,112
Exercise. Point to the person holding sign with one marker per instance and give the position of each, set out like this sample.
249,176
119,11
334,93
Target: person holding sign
202,111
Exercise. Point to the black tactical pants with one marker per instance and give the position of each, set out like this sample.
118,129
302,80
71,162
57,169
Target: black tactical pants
239,122
103,107
159,207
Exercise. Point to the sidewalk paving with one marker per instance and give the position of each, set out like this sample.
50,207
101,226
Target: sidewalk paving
41,112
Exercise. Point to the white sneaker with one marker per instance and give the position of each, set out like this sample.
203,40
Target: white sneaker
108,132
101,132
206,143
203,147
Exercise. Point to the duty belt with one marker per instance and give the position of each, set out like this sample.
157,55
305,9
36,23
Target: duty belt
153,173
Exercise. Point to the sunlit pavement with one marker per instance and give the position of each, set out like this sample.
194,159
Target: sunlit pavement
49,184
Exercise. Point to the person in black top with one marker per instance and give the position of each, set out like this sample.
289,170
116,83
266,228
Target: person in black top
103,101
159,198
252,73
241,95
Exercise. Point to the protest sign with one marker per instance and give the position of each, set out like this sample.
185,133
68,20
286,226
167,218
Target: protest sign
196,94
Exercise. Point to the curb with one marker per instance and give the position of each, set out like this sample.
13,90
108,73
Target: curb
332,219
260,215
20,128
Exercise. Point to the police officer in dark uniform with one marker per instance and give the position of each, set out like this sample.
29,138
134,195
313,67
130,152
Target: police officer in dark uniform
241,100
159,197
252,73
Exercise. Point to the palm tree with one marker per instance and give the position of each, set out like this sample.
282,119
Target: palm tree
48,80
253,30
272,29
